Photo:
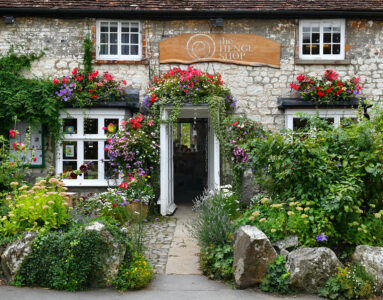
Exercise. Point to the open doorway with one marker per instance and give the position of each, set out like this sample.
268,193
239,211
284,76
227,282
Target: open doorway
190,151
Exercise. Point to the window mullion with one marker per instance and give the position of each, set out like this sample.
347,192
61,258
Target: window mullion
321,39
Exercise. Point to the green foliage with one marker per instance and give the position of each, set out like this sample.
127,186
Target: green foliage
217,261
277,278
42,207
133,274
333,176
28,99
87,46
212,223
63,260
349,283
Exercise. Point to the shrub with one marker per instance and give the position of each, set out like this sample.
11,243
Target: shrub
133,274
63,260
349,283
330,175
277,278
212,223
217,261
42,207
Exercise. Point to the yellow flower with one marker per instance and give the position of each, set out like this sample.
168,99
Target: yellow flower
304,216
256,213
251,218
273,230
290,213
293,203
299,208
378,215
307,209
262,220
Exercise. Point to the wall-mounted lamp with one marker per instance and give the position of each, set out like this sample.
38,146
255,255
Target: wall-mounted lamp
9,20
218,23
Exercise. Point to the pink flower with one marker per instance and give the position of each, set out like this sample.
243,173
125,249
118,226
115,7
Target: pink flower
12,133
301,77
104,128
124,82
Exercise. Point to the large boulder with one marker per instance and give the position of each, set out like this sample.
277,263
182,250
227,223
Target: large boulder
14,254
252,255
283,247
371,258
310,268
113,258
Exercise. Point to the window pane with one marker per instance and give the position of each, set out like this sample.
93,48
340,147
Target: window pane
103,49
110,171
306,38
134,27
70,126
306,49
92,172
299,124
104,27
125,27
336,38
90,150
69,166
134,50
326,49
327,28
69,150
104,38
315,29
113,27
106,155
113,38
306,29
336,49
134,39
113,49
315,38
336,29
111,125
315,49
327,38
90,126
125,50
125,38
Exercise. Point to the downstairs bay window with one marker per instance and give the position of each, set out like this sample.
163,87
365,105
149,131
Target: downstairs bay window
85,138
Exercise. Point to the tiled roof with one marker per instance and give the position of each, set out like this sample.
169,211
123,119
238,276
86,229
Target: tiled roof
196,5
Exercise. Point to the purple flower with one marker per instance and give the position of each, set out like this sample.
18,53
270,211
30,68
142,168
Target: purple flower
338,165
321,238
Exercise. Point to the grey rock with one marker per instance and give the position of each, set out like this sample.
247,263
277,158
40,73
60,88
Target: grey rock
113,258
15,253
288,243
252,255
249,189
371,258
284,253
310,268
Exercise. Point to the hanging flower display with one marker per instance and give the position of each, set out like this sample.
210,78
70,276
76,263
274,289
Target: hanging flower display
85,89
326,89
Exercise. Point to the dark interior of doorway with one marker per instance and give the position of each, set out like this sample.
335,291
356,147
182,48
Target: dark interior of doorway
190,158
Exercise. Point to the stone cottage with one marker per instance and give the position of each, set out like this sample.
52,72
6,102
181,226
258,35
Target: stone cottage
259,47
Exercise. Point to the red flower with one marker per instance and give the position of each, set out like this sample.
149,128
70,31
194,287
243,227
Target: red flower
124,185
124,82
301,77
331,75
104,128
12,133
35,159
79,78
64,80
74,72
328,90
320,94
55,81
114,205
94,96
14,146
295,86
91,91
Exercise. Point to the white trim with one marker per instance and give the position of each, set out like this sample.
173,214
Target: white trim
322,56
336,113
119,56
80,138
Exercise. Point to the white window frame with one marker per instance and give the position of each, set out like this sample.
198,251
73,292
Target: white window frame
321,56
336,113
119,56
80,138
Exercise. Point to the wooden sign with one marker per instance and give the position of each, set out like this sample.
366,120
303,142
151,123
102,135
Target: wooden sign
243,49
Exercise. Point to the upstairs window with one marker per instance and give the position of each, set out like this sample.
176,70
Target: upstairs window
118,40
321,39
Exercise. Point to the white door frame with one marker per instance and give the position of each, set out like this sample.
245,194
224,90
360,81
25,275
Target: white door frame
166,156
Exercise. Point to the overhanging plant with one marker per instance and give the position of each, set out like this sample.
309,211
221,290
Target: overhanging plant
178,87
328,88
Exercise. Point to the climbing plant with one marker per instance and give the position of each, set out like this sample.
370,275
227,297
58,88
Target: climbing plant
178,87
28,99
87,47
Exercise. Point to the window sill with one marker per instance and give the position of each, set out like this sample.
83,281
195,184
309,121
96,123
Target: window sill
120,62
322,62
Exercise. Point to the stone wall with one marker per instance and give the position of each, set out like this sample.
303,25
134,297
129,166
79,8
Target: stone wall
256,88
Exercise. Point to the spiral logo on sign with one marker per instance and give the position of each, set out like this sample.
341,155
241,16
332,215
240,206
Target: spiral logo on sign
200,46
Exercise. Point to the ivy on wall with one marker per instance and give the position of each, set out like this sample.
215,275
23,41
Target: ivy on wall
28,99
